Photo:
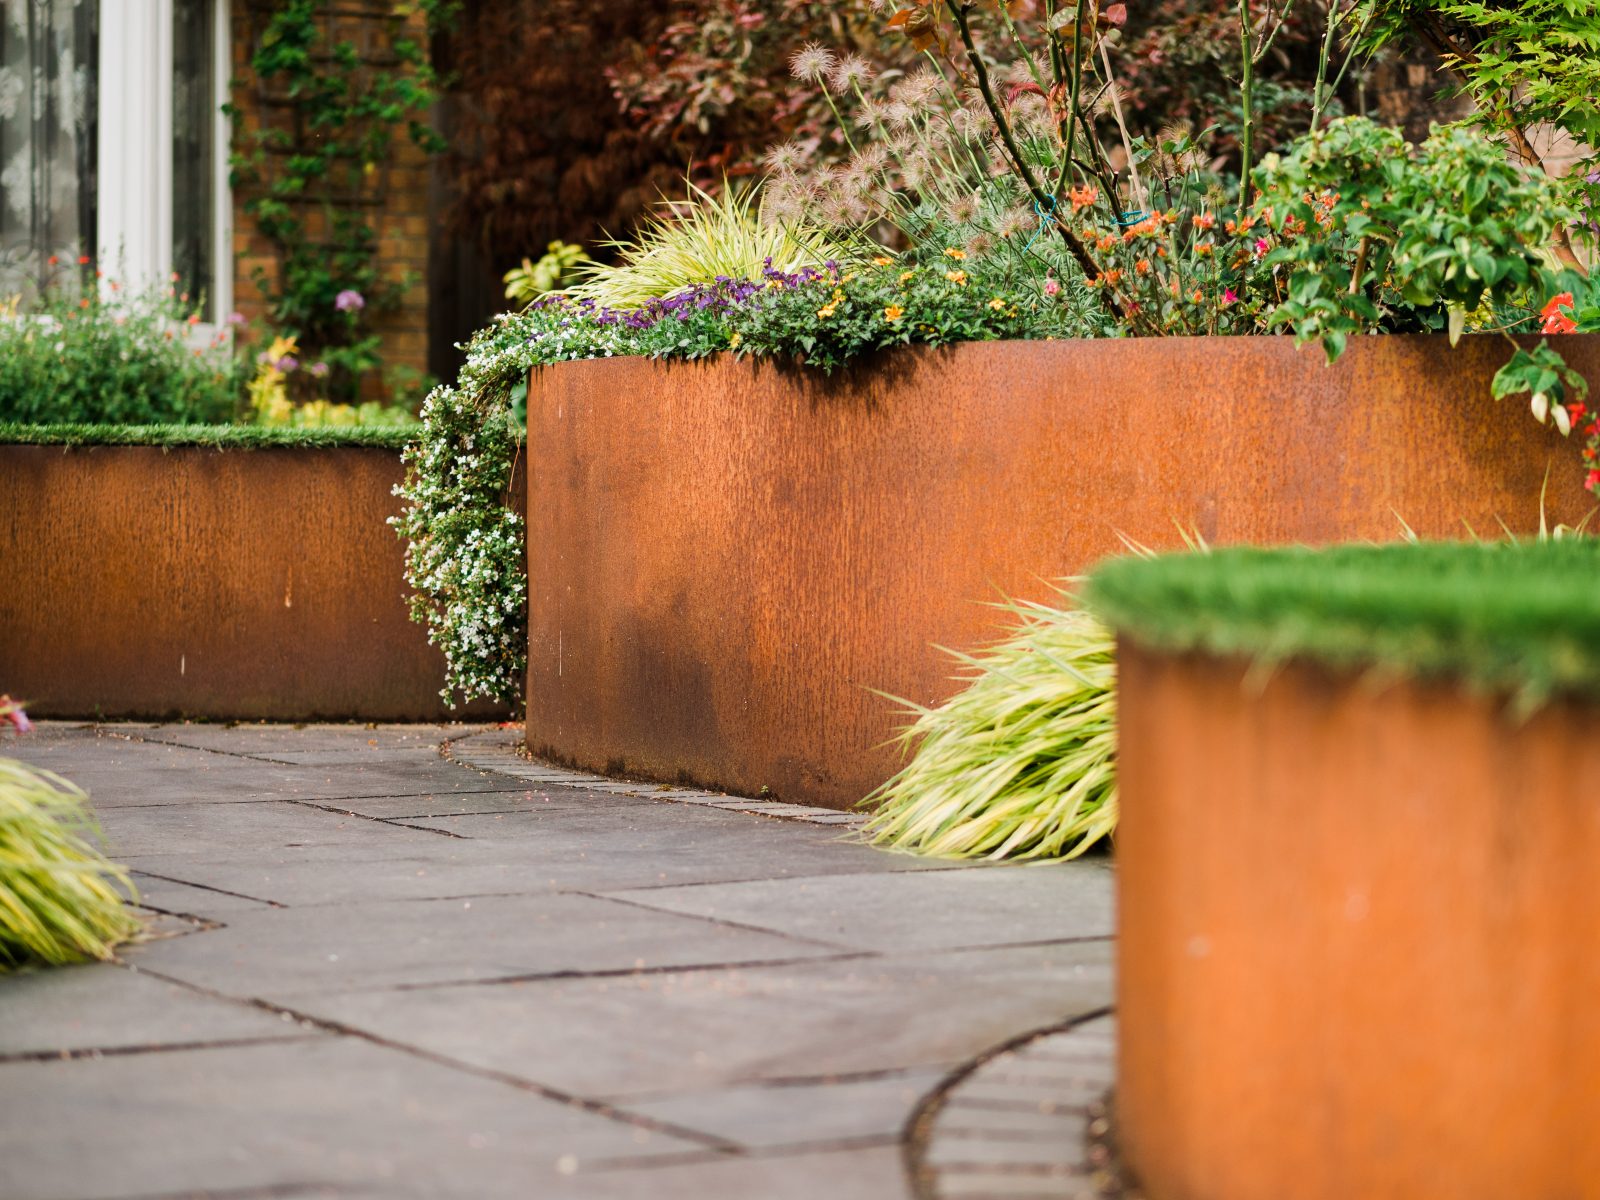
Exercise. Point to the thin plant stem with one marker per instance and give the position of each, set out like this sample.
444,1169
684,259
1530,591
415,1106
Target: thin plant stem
959,10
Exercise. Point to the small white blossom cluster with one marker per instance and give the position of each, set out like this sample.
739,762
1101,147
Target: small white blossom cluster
465,553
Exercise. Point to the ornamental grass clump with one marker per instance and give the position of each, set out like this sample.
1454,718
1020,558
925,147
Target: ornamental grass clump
59,897
1021,763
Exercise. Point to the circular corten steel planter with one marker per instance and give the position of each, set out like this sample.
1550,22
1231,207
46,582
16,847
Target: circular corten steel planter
1357,945
727,557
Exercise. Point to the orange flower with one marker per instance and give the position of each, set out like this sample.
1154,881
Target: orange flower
1082,197
997,304
1204,221
1555,319
959,278
1142,266
881,261
958,255
893,313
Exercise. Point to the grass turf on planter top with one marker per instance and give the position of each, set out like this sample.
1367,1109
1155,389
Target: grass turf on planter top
222,437
1519,618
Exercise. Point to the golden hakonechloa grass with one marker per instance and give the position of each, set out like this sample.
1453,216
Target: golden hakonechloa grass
1022,762
59,898
695,240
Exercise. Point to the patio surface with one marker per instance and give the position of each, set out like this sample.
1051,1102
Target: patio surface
375,971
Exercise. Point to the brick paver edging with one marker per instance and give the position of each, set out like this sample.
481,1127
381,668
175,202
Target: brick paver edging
1024,1123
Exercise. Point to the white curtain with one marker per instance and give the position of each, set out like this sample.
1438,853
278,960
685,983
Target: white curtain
48,50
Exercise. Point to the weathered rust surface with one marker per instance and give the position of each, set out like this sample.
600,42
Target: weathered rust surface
725,557
1356,945
243,584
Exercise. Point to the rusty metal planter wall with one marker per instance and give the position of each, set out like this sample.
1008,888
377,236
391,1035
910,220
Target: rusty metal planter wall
1356,943
725,557
239,583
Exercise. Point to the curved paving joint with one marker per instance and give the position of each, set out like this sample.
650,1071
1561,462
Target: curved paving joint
1025,1123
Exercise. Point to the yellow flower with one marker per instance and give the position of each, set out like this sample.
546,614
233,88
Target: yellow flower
905,275
893,313
848,277
881,261
997,304
958,255
959,278
733,342
826,311
838,295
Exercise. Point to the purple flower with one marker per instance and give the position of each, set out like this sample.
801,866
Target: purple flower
287,363
319,369
349,300
236,318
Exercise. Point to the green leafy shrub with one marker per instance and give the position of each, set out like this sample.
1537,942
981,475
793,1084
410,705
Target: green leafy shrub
59,900
120,358
1021,762
531,280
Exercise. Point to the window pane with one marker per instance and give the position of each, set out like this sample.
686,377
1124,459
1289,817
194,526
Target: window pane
48,51
194,113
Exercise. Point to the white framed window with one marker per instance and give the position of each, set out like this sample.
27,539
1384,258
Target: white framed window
163,203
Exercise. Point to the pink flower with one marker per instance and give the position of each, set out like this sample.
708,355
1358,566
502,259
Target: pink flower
349,300
1262,247
1229,296
12,711
319,369
236,318
1052,288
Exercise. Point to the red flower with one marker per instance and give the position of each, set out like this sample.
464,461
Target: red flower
1593,481
83,260
1555,320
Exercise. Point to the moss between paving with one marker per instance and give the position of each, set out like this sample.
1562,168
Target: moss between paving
392,437
1523,618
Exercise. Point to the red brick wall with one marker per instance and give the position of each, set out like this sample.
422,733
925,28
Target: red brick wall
401,221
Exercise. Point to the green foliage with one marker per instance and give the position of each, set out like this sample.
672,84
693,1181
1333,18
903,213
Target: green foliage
313,168
701,238
465,550
1549,382
1375,234
1525,64
531,280
829,321
220,437
118,358
59,900
1519,618
1021,762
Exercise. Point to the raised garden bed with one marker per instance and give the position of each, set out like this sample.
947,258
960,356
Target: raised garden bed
218,573
726,558
1356,908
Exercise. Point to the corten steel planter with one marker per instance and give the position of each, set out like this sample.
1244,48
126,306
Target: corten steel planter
240,583
725,557
1357,938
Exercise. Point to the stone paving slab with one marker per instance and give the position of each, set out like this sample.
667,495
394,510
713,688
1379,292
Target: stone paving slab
740,1025
329,1111
83,1009
710,1000
852,1174
790,1114
923,911
280,953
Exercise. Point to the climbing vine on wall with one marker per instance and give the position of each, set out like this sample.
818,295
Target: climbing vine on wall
333,85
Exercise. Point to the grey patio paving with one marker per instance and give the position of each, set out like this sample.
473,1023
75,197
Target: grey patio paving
374,971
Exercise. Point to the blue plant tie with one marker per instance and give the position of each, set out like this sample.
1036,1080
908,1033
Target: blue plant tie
1044,219
1131,218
